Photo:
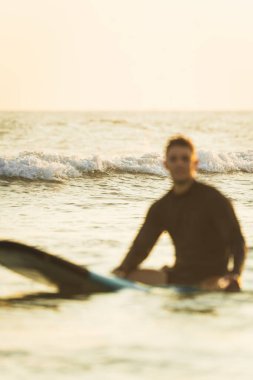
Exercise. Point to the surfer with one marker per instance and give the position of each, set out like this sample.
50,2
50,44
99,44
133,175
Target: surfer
209,245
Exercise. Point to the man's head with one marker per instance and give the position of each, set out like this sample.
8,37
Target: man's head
180,159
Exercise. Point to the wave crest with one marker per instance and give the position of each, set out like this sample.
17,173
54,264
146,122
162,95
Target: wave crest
42,166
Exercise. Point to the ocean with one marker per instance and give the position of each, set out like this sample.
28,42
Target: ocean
78,184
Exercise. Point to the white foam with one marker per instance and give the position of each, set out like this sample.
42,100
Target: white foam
41,166
217,162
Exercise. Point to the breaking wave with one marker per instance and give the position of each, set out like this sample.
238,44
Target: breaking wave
42,166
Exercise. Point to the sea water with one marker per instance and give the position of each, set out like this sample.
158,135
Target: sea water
79,185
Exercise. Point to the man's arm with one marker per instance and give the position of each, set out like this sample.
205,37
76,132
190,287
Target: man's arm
228,226
143,243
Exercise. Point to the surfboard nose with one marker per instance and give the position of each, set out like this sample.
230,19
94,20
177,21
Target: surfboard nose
51,270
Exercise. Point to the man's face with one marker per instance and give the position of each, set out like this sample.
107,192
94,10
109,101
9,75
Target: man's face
181,163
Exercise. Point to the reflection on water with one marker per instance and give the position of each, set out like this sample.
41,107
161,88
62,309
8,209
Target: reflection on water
125,333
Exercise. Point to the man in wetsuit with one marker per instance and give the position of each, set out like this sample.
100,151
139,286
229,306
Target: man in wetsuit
202,224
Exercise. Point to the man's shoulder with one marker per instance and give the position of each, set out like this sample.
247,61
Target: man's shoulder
210,192
159,204
164,199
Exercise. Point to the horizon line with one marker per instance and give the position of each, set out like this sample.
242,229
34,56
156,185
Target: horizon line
129,110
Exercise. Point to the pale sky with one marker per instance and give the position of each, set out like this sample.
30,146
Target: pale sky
126,55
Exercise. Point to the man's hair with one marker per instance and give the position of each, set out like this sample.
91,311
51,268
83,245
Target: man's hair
180,140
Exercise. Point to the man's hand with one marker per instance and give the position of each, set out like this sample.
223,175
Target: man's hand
230,283
233,282
119,273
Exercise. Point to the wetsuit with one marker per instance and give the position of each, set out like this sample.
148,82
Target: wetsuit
204,230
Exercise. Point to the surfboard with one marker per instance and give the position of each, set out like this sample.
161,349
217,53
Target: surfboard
67,277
